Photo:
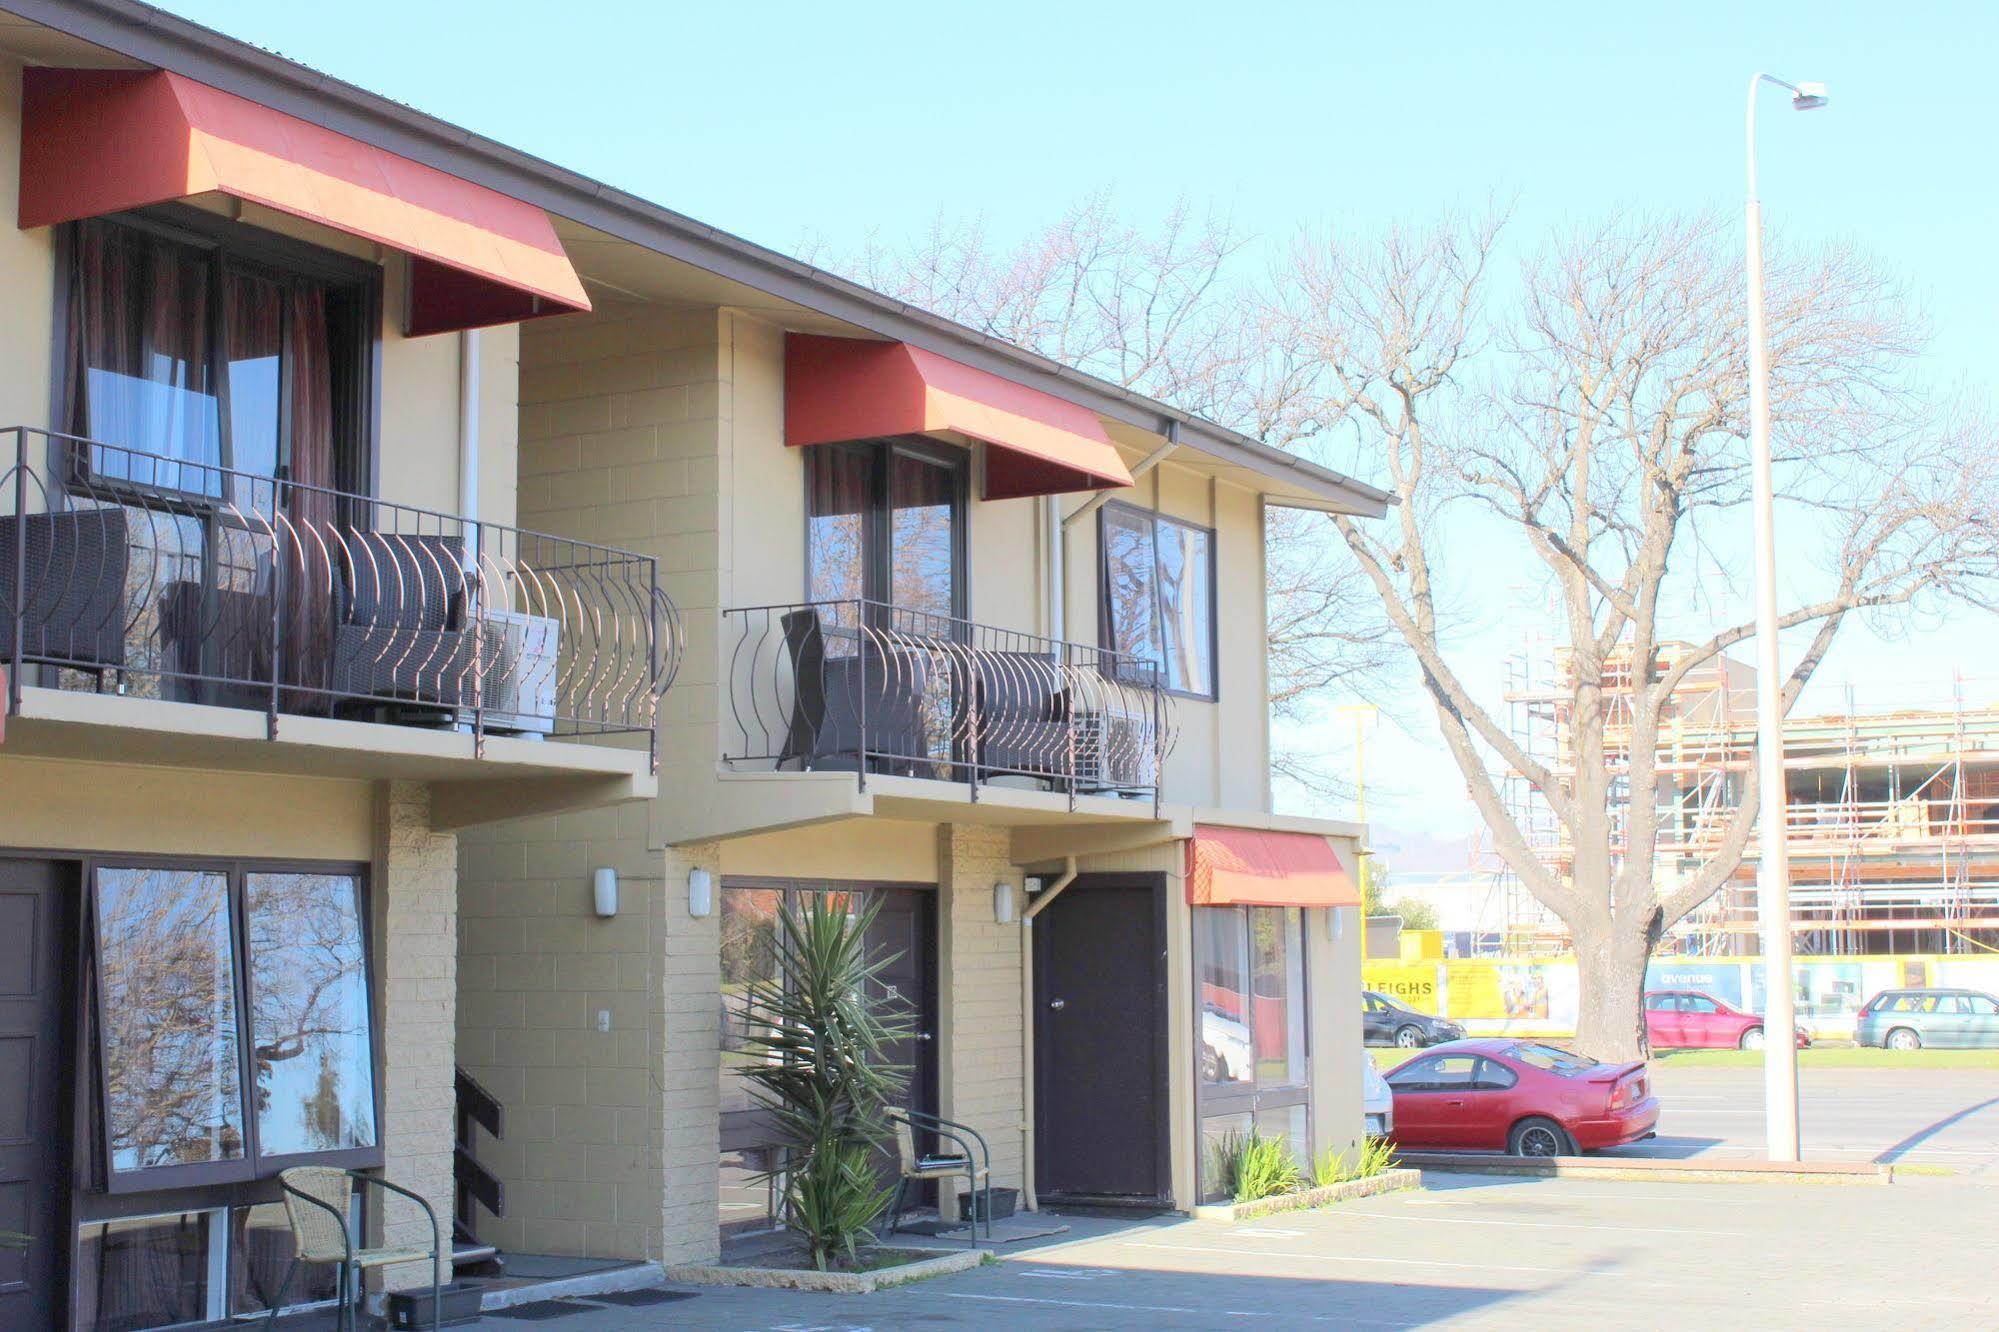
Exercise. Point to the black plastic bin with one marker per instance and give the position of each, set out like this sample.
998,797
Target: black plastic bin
1004,1201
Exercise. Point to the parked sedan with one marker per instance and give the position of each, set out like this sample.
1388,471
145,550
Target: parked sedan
1385,1022
1690,1020
1377,1102
1943,1019
1519,1097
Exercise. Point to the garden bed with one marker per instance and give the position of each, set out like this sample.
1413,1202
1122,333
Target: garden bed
1388,1181
791,1270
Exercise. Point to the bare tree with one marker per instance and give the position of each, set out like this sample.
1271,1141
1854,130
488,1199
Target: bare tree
1170,312
1598,428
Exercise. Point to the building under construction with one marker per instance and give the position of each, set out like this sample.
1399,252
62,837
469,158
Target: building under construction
1893,814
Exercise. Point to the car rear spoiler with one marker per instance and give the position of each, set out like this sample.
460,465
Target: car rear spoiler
1612,1072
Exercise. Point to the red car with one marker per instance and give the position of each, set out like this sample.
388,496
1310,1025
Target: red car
1690,1020
1520,1097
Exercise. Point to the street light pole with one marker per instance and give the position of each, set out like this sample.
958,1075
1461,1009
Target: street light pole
1773,870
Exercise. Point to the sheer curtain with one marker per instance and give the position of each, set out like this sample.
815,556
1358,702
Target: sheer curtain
311,508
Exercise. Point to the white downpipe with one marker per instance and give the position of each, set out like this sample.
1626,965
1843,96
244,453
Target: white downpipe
468,442
1041,899
1057,594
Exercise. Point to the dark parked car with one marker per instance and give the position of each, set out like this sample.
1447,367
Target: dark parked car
1385,1022
1941,1019
1519,1097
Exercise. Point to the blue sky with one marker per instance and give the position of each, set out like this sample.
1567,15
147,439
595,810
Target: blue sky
793,122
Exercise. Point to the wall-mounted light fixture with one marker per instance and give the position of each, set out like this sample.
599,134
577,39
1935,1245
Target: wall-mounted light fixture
604,889
700,893
1003,911
1336,923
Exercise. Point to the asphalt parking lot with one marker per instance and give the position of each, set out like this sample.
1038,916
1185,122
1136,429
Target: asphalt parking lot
1918,1116
1468,1252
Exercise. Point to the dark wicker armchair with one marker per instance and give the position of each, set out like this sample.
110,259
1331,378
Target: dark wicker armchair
400,608
74,599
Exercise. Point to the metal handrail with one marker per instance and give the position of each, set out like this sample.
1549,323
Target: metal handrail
868,687
182,579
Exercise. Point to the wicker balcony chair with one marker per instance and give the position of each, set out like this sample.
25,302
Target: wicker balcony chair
400,612
74,604
918,1167
316,1206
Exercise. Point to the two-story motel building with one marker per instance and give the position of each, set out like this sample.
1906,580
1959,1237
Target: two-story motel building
398,531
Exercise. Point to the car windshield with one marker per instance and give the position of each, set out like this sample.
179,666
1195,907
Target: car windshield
1564,1062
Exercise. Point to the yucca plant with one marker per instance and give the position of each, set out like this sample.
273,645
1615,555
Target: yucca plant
1264,1167
818,1064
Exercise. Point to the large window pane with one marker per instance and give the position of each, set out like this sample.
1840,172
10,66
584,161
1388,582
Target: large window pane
143,1272
313,1058
750,942
837,496
1186,607
1130,599
923,501
260,1254
1221,952
1280,996
169,1029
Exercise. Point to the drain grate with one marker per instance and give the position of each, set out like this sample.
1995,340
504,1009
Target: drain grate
541,1311
639,1299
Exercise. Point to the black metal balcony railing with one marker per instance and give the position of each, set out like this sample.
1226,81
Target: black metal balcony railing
178,579
865,687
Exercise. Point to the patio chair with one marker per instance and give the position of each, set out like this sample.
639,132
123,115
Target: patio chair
1023,727
316,1206
73,577
832,694
918,1167
400,619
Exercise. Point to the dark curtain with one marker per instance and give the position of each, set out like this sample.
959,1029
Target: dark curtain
312,560
139,358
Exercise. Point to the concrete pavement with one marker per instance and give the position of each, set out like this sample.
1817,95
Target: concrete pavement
1471,1252
1913,1116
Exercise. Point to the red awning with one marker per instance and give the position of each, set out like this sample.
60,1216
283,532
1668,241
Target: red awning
96,141
839,389
1251,867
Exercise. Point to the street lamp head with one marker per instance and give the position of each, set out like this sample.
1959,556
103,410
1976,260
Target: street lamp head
1808,97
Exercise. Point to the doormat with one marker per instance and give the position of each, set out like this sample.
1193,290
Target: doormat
541,1311
1009,1230
638,1299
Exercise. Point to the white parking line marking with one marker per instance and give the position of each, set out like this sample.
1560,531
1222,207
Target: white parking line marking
1350,1258
1532,1225
1161,1308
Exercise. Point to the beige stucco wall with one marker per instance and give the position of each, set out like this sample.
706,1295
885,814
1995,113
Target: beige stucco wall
76,805
979,1064
881,850
1333,986
27,275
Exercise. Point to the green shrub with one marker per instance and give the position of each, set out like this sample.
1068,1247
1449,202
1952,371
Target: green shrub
1375,1156
1263,1168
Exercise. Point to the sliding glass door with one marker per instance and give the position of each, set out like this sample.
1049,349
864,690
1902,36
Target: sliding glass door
885,522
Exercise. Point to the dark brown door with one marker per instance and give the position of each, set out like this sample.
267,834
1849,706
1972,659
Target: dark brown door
1100,1112
902,931
34,1142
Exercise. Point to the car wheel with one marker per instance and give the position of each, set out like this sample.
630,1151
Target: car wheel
1408,1038
1902,1038
1537,1137
1752,1039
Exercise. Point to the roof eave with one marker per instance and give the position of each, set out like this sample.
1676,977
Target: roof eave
168,41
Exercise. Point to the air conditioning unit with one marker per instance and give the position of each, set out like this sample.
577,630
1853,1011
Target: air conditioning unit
1114,751
521,655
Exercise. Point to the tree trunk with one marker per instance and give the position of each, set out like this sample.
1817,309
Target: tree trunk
1610,972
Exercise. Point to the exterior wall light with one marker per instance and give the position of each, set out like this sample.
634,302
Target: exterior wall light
1003,911
1336,923
604,888
700,893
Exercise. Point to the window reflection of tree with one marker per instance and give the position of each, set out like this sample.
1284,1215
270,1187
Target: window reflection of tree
169,1022
749,953
309,1013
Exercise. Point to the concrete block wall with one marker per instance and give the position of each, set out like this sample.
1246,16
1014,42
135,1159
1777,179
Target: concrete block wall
415,906
978,982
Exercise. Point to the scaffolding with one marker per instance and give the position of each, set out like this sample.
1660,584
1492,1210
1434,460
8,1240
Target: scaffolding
1892,815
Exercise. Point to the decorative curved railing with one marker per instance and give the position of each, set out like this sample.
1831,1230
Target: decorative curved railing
865,687
183,580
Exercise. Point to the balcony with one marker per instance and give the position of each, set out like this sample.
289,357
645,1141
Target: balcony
895,696
343,620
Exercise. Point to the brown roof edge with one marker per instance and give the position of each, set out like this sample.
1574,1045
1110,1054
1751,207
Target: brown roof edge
142,32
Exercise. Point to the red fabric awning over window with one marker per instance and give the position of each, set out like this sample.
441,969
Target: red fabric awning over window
96,141
1252,867
838,389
